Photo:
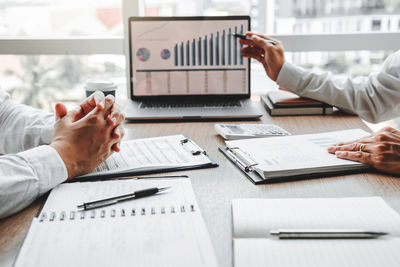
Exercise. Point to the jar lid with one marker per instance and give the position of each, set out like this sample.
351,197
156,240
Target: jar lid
93,85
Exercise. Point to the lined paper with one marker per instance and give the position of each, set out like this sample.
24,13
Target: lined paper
177,238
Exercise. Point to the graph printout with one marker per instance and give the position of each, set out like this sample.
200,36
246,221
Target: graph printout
188,57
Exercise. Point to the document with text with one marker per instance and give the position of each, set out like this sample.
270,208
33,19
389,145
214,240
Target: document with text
294,155
151,155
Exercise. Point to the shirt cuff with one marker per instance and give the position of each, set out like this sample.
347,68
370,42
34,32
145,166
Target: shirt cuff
290,77
47,165
46,133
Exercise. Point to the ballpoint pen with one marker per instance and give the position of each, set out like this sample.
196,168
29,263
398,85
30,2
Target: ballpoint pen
325,234
114,200
247,37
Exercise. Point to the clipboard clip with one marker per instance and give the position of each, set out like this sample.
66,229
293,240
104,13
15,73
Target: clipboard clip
242,158
193,147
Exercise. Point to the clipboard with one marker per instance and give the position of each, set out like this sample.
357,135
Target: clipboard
188,145
246,164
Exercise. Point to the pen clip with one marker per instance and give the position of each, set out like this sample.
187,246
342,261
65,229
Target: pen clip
242,158
194,148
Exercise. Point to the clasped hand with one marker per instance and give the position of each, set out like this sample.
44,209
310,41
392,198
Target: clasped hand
86,136
380,150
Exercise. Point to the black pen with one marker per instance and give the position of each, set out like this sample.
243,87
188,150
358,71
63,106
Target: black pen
248,38
114,200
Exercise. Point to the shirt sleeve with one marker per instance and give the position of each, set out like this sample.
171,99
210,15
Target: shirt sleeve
27,175
374,98
23,127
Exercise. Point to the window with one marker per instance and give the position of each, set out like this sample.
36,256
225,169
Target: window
62,76
51,18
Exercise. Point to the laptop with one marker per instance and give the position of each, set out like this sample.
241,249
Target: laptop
188,68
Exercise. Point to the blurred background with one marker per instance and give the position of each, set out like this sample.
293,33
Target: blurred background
45,78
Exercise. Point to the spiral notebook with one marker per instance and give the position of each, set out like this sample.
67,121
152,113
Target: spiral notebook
152,155
162,230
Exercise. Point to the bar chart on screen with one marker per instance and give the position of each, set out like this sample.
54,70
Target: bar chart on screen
190,57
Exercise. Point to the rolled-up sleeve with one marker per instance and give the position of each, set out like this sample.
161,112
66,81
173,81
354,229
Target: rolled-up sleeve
374,98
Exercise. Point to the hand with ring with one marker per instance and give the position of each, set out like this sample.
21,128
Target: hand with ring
381,150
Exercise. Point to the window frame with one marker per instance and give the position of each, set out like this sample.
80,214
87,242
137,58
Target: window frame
115,45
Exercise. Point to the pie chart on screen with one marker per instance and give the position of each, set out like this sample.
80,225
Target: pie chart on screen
165,54
143,54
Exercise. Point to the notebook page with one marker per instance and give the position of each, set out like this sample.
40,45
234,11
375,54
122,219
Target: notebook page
150,153
256,217
166,238
152,240
66,197
310,253
297,151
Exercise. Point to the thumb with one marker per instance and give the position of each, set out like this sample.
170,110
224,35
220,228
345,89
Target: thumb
61,111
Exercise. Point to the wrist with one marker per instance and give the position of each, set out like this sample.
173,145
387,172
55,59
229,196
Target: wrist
68,157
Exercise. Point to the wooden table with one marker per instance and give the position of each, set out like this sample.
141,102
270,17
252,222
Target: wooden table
216,187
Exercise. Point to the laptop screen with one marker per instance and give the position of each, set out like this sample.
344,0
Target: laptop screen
176,56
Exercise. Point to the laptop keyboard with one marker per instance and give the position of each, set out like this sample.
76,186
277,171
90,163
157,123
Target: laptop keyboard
194,104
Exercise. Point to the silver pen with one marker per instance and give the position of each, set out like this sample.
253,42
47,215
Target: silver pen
325,234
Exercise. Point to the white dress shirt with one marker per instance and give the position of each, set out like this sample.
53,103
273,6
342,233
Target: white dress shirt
26,175
374,98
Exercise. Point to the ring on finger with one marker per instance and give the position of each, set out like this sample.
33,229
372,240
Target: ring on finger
362,147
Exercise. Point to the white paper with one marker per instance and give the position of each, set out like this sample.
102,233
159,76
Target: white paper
254,246
293,153
256,217
317,253
150,154
161,239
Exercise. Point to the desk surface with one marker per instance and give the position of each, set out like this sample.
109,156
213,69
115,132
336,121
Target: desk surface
216,187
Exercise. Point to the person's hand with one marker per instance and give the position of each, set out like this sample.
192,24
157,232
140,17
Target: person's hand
97,100
269,54
380,150
85,143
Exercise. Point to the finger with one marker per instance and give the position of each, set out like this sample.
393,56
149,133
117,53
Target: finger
253,53
258,41
108,106
61,111
355,156
116,147
118,132
94,100
117,117
350,147
364,140
253,50
99,99
246,42
115,142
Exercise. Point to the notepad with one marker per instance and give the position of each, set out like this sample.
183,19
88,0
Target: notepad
254,246
290,157
162,230
151,155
